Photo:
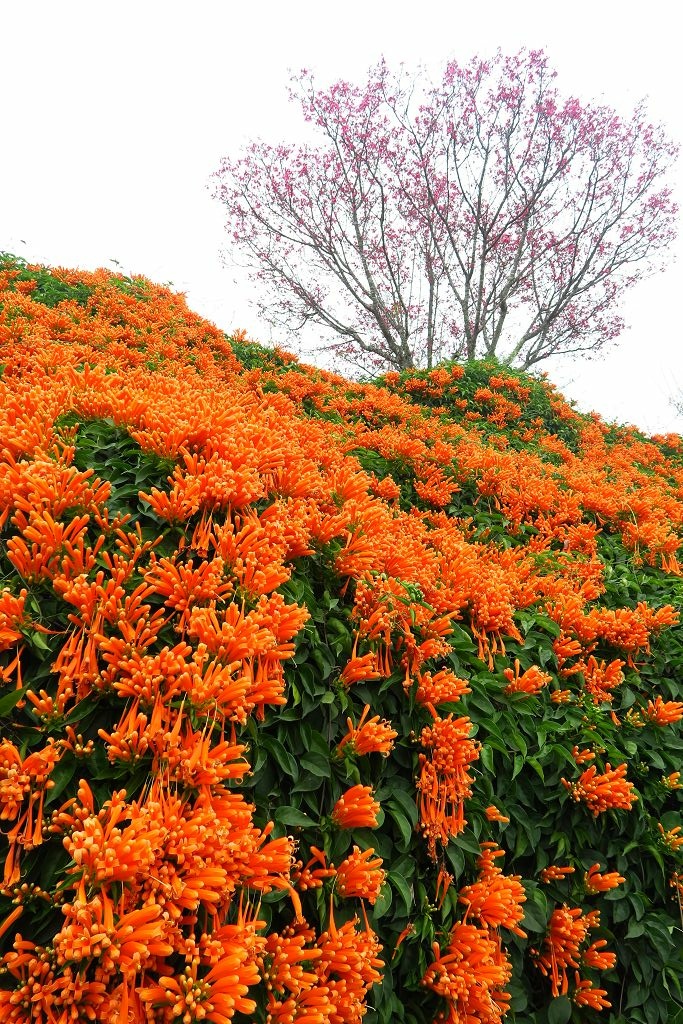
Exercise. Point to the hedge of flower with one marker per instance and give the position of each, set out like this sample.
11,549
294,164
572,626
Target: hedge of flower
324,701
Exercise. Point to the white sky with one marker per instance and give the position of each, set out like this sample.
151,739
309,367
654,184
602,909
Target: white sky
114,116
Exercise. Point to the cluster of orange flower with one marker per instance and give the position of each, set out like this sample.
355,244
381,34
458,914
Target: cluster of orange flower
161,894
565,947
473,969
603,791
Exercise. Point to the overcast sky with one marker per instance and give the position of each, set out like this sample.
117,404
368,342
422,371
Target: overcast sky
114,117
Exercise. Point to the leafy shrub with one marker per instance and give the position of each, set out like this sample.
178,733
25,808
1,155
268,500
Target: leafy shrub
322,700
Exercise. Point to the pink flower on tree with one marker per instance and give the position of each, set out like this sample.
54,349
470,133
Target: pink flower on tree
480,215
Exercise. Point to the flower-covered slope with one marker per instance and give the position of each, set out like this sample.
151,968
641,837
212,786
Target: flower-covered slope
324,701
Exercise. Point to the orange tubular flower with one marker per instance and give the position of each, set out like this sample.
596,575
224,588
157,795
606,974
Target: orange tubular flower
23,787
368,737
595,882
359,670
554,873
215,997
12,617
349,966
470,974
664,712
601,679
532,681
360,875
11,919
285,955
586,995
493,814
356,809
131,942
568,928
306,876
671,839
597,957
443,687
496,899
444,781
561,696
610,791
444,881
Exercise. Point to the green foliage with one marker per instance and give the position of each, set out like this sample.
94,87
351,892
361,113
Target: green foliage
254,356
527,743
49,288
537,402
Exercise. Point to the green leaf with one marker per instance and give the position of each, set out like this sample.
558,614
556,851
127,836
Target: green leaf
534,919
559,1010
10,700
486,758
292,816
548,624
635,929
316,764
283,758
61,776
405,890
306,784
407,804
457,859
383,901
401,821
36,639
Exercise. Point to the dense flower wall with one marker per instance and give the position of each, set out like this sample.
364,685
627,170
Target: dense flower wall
324,701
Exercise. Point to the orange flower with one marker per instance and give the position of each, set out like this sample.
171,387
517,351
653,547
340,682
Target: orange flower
554,873
595,882
306,876
23,787
359,670
368,737
493,814
442,687
568,929
444,781
597,957
356,809
470,974
11,918
532,681
671,839
285,955
609,791
348,967
12,617
586,995
360,874
215,997
664,712
561,696
496,899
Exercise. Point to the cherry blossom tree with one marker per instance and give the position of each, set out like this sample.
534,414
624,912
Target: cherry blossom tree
480,215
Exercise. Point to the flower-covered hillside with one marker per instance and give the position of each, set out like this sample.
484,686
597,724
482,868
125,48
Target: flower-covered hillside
324,701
